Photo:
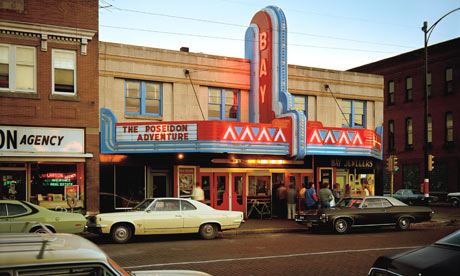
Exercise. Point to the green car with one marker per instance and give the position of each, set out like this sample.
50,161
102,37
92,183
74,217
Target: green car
18,211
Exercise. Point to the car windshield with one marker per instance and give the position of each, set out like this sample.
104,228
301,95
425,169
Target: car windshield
352,202
144,204
452,240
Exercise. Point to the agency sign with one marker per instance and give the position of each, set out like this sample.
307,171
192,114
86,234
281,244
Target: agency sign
16,139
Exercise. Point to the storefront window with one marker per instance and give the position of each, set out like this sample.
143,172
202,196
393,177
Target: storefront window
13,185
130,186
56,186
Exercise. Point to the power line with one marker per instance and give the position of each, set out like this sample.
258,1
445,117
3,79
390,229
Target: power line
237,39
246,26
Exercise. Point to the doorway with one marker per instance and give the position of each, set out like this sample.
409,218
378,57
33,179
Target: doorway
216,190
158,184
239,192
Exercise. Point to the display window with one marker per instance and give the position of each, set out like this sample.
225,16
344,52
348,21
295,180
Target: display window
13,184
56,186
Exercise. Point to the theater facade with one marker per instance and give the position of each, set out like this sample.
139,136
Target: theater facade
240,128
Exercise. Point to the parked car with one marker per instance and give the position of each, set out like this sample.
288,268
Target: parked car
165,216
365,211
439,258
63,254
411,197
454,199
23,211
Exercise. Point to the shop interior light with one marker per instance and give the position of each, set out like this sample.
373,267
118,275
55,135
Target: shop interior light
112,158
180,156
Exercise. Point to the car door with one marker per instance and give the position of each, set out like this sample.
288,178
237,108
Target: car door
16,213
192,217
373,212
164,217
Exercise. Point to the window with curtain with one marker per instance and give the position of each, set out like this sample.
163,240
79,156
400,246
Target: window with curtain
143,98
449,127
409,137
223,104
300,103
449,83
354,113
409,89
17,68
391,135
391,92
64,71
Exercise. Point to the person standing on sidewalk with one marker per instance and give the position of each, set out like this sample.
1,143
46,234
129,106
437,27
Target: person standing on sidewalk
282,196
301,196
325,196
336,192
311,200
291,201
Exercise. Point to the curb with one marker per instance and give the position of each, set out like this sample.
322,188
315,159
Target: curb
429,224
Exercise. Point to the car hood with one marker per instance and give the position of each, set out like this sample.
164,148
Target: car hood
430,260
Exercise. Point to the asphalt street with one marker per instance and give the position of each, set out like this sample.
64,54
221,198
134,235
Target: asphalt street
292,253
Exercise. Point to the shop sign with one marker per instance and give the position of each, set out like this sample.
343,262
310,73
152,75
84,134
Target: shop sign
156,132
16,139
347,163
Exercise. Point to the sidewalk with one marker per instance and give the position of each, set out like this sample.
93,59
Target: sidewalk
444,215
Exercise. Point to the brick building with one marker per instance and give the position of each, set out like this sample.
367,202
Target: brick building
49,104
240,128
404,115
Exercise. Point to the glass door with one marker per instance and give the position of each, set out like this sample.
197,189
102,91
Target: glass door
221,186
206,185
239,192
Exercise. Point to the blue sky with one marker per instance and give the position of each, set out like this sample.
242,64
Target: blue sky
330,34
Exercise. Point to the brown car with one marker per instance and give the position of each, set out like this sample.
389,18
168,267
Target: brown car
368,211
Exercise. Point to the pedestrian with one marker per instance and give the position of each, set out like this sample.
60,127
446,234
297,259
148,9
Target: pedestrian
291,201
325,196
336,192
198,193
311,200
282,196
301,196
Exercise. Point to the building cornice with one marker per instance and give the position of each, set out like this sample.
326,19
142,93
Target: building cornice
48,32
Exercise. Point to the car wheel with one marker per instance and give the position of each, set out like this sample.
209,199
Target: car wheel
40,230
121,233
455,202
208,231
341,226
403,223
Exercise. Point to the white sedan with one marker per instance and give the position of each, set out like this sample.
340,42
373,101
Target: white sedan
165,216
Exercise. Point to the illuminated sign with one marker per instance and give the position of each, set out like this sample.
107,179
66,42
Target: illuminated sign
16,140
156,132
343,141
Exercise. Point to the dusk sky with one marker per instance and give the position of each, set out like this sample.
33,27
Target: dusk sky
333,34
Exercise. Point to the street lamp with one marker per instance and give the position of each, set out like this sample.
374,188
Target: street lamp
428,32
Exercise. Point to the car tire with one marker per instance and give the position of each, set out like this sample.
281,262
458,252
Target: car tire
121,233
341,226
403,223
40,230
455,202
208,231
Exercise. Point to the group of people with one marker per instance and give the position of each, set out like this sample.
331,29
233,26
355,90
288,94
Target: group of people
307,197
325,197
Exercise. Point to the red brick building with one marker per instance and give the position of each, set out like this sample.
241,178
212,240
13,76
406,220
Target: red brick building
49,119
404,115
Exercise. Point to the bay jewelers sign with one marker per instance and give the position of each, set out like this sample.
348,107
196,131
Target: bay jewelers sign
17,139
155,132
